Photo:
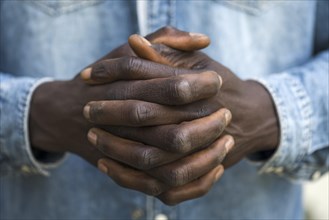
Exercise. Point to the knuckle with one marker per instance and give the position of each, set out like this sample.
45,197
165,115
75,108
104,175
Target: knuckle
179,140
96,111
107,70
145,160
177,72
203,111
129,64
182,90
139,114
99,70
153,188
179,176
102,145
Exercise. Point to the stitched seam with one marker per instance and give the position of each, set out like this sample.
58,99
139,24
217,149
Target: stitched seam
303,104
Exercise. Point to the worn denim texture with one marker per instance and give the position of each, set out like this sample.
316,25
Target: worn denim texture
269,41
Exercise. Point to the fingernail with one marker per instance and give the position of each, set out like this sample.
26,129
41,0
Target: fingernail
102,167
219,172
145,41
228,117
92,137
86,112
220,80
229,144
86,73
197,35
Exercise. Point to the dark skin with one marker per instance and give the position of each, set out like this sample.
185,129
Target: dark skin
254,125
57,123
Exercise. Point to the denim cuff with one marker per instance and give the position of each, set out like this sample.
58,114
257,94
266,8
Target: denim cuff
16,153
294,110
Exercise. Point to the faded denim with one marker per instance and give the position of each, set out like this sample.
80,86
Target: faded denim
274,42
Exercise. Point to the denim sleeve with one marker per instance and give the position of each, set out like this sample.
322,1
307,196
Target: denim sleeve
301,99
15,151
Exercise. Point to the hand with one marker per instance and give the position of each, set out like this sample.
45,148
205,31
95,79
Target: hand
192,176
56,123
171,172
255,124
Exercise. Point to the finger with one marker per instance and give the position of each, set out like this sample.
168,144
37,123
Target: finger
169,36
195,189
128,68
191,167
137,155
131,178
134,113
159,53
180,40
143,49
176,90
179,138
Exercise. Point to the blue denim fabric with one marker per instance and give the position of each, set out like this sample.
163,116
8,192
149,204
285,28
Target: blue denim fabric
269,41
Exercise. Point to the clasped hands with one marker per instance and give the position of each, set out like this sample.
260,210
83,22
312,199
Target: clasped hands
157,116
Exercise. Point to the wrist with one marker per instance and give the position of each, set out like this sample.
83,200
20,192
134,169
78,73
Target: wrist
42,111
56,122
266,126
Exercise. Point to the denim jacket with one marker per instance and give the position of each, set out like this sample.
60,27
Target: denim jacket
281,44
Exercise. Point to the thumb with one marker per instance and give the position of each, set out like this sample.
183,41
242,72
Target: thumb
177,39
144,49
166,40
